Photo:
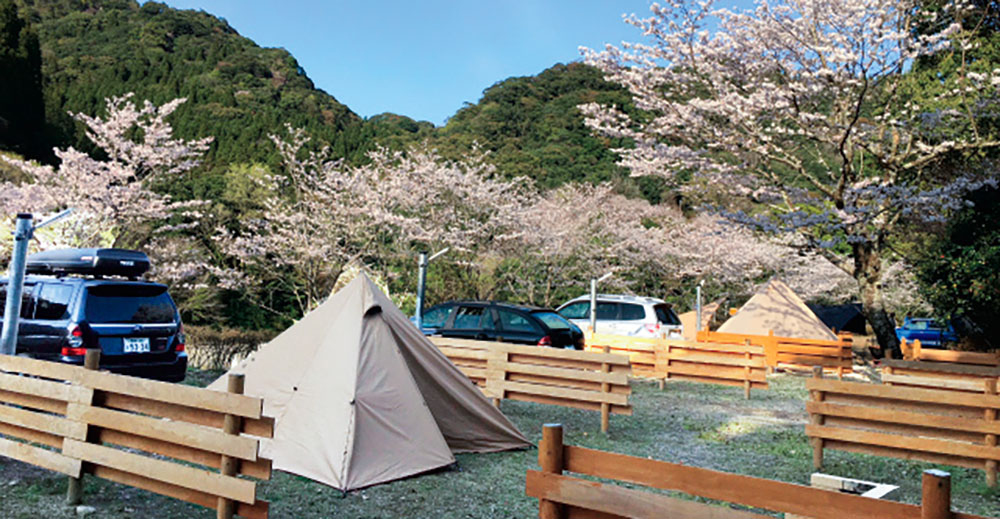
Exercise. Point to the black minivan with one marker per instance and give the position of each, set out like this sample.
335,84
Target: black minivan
504,322
93,298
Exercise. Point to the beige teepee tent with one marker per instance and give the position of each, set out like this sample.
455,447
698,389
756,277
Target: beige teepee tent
360,397
775,307
690,319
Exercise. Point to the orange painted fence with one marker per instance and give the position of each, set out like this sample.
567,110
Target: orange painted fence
912,350
594,381
792,352
563,495
936,425
184,442
739,365
938,375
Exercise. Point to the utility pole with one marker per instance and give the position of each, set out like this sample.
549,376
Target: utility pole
422,263
15,277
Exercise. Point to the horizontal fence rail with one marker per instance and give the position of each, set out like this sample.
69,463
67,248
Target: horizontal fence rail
936,425
578,379
912,350
742,365
184,442
793,352
938,375
564,496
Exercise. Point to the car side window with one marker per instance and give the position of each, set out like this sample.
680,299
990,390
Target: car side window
436,317
515,322
488,323
579,310
52,302
468,318
632,312
27,302
607,311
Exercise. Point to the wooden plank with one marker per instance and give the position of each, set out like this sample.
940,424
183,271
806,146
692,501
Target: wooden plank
33,402
40,457
258,510
31,435
904,393
262,427
189,396
707,371
260,469
903,454
45,388
574,384
566,393
680,354
165,471
464,353
958,369
562,373
966,450
960,357
538,351
760,493
893,415
39,368
755,350
717,381
49,423
934,382
196,436
576,404
624,502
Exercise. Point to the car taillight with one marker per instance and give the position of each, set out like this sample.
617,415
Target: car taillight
75,339
74,352
545,341
180,338
653,328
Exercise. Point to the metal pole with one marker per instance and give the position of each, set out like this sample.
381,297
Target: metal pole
697,303
15,284
421,279
593,306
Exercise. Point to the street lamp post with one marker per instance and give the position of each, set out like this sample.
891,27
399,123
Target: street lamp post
593,301
421,281
15,277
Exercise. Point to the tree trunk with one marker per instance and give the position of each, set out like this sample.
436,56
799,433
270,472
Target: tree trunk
868,273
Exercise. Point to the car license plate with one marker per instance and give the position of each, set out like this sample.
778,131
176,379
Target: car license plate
137,345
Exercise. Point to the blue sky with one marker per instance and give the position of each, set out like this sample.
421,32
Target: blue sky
424,58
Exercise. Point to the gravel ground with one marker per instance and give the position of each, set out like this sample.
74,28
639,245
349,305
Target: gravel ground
702,425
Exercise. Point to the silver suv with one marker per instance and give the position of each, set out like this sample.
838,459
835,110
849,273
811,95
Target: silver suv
625,315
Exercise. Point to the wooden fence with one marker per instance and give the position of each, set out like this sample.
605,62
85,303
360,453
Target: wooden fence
912,350
563,496
935,425
740,365
938,375
578,379
792,352
184,442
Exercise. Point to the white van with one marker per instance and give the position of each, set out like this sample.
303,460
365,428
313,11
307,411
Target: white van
625,315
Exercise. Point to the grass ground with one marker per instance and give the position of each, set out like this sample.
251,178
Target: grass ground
702,425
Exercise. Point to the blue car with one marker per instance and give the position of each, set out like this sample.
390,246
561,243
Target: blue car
928,331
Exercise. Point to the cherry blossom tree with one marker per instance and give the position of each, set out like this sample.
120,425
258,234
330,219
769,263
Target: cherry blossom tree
322,216
804,110
114,198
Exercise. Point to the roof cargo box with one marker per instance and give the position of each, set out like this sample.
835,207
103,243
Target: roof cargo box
89,262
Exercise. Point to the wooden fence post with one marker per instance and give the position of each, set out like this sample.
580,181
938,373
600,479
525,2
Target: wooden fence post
605,388
887,371
496,373
747,372
935,502
991,439
771,351
231,425
74,489
550,458
817,419
917,353
666,365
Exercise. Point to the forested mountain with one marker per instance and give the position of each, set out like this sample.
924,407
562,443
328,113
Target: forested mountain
239,93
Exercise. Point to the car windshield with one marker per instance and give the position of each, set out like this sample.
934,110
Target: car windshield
553,320
142,304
